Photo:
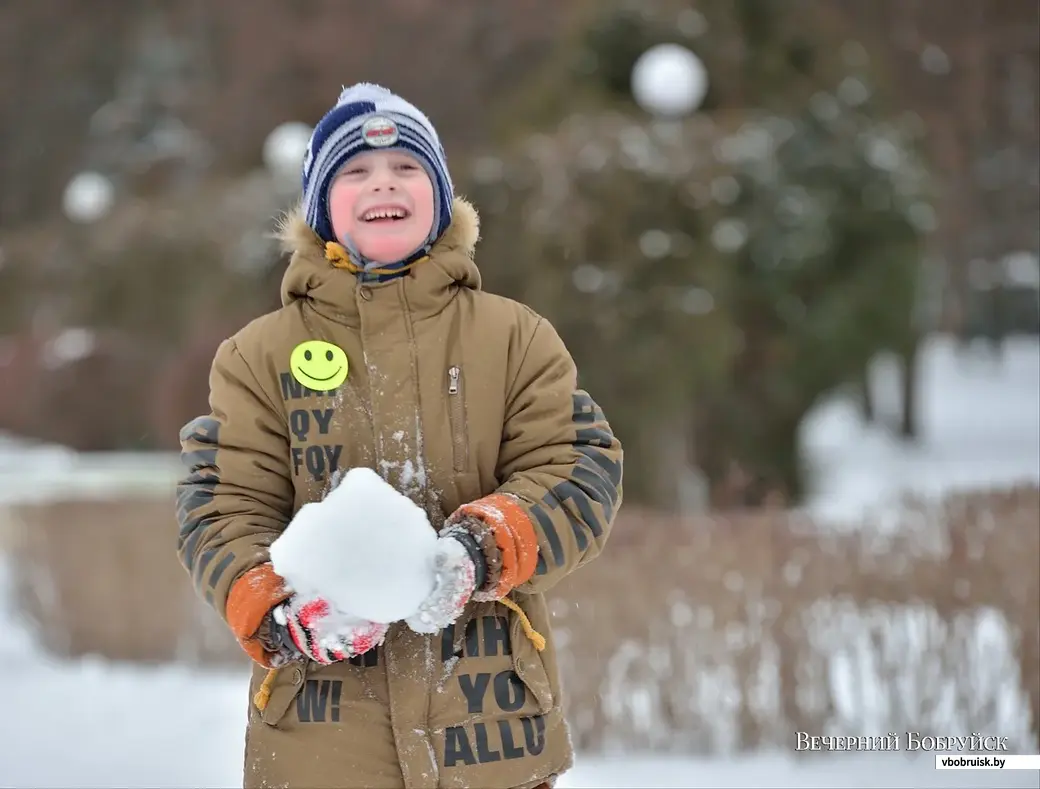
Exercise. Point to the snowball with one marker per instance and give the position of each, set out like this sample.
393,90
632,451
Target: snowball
697,301
853,91
934,60
366,548
69,346
655,244
588,278
883,154
285,148
1022,270
729,235
88,197
669,80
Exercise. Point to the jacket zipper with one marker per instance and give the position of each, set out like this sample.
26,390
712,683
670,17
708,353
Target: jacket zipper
459,442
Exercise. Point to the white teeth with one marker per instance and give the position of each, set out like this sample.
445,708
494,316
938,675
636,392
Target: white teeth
384,213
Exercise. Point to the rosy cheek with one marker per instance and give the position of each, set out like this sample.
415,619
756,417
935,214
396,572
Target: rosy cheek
342,200
422,197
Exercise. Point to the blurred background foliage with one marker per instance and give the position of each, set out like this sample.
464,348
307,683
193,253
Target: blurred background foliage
857,175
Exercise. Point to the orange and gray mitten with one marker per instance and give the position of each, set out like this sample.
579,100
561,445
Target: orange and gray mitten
486,548
459,568
275,626
320,632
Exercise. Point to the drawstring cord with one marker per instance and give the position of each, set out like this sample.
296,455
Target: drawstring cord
536,638
263,694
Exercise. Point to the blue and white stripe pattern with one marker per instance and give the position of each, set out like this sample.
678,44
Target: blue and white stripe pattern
339,137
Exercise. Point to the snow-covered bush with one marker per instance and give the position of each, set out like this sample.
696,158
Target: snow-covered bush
746,628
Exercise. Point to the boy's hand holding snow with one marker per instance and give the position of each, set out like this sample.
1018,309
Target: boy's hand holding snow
485,550
459,568
360,555
320,632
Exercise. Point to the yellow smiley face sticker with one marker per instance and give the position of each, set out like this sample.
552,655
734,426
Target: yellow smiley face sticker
318,365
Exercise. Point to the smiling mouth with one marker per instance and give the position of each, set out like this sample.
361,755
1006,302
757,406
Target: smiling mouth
316,378
386,214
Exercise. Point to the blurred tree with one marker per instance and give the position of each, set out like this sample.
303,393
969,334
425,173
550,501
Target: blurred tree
154,281
825,257
974,80
172,102
579,226
227,73
502,71
87,390
180,391
58,61
714,277
143,136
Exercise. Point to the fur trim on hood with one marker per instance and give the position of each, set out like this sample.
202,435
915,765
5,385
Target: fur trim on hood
311,276
462,234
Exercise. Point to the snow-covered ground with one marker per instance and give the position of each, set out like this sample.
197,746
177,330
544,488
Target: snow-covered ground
103,725
979,420
98,724
94,723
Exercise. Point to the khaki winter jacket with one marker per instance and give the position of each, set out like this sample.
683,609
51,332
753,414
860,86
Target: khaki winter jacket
456,397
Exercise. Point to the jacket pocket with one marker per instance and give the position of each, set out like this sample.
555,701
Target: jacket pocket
528,664
286,687
457,414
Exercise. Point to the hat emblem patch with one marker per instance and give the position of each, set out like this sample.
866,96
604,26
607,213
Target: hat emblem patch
379,132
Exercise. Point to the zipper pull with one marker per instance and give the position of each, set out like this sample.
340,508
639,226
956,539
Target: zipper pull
453,380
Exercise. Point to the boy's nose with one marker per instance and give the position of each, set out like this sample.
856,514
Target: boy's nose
383,181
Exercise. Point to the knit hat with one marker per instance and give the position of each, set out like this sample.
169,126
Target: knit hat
369,117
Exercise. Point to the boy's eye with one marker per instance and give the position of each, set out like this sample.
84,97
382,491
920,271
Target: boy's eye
406,166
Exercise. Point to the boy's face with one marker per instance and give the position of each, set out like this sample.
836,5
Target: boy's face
382,200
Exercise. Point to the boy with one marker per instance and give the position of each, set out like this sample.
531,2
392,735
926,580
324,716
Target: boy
387,355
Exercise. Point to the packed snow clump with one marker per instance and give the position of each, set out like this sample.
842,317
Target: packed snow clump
366,548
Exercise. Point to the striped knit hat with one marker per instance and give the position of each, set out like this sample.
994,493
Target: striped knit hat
370,117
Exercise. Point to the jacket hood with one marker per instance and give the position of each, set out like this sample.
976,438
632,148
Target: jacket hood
331,291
